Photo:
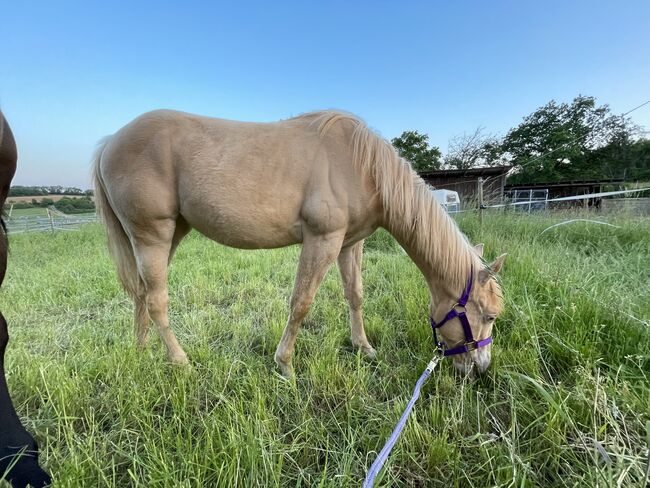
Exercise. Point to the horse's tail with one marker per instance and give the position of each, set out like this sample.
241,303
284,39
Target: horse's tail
119,245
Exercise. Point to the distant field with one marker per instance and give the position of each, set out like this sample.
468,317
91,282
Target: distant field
25,212
54,198
565,403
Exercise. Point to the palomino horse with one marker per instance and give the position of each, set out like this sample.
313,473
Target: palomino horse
322,179
18,449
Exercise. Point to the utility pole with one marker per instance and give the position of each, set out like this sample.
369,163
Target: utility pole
49,214
480,201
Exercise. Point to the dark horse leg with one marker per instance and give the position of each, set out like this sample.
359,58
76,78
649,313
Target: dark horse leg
18,449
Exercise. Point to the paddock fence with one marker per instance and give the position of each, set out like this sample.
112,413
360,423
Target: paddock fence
55,221
52,222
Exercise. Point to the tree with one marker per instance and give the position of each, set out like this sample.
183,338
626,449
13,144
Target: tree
558,141
622,159
414,147
471,150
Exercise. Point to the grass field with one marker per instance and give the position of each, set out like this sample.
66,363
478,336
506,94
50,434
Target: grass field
27,212
566,402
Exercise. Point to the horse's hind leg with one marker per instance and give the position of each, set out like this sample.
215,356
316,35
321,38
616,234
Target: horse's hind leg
142,319
152,255
350,267
318,254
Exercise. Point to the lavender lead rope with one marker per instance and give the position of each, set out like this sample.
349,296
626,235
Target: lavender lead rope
458,311
374,470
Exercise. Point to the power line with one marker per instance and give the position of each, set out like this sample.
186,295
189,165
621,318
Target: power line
635,108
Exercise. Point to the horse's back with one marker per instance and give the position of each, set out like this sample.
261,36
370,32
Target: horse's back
244,184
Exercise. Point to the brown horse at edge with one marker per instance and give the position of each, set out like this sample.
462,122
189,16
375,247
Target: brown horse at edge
18,449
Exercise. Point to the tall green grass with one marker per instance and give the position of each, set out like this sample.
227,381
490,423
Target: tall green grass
565,403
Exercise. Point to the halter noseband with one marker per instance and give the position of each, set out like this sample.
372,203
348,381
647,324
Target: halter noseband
470,344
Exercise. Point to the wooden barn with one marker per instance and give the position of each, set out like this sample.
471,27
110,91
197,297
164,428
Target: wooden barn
466,182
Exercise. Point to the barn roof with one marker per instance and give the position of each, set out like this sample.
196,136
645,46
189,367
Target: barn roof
466,173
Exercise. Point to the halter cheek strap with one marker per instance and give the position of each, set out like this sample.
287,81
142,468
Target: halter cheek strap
458,311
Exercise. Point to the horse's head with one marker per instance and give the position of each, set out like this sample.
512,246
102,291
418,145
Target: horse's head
484,304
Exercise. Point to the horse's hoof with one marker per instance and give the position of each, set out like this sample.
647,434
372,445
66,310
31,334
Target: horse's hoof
370,352
286,369
179,359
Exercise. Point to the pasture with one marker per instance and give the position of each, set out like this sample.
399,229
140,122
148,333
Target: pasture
565,403
28,212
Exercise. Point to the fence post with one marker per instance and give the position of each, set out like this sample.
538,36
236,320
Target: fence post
480,201
49,214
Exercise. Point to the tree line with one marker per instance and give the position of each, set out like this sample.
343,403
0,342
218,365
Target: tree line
36,191
559,141
66,205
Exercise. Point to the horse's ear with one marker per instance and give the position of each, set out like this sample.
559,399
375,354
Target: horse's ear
498,263
479,249
492,269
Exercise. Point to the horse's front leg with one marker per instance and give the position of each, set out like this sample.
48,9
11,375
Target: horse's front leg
317,255
350,267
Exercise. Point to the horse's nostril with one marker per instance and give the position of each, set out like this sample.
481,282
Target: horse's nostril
483,365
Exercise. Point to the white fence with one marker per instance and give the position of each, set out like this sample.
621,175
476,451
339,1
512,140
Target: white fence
48,223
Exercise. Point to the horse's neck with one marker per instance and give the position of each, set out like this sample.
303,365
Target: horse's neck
444,273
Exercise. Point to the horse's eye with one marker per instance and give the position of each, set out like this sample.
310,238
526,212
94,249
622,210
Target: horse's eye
490,318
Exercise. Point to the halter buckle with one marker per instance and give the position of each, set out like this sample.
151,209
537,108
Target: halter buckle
471,346
458,307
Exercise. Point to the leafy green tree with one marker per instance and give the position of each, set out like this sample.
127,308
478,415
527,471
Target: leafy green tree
74,205
623,159
559,140
414,147
46,202
20,191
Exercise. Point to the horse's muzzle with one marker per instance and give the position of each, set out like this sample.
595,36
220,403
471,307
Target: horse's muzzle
477,360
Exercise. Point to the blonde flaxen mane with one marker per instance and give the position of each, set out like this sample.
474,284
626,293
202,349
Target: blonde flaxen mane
409,206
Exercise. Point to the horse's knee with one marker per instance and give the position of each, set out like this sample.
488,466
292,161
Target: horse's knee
299,309
156,303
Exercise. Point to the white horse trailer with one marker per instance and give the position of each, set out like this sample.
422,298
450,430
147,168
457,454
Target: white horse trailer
449,199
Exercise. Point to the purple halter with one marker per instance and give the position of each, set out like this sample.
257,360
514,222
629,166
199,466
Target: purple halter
470,344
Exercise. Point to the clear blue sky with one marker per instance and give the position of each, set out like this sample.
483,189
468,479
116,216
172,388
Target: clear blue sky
72,72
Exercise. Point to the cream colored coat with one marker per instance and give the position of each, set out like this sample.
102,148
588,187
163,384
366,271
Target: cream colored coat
322,179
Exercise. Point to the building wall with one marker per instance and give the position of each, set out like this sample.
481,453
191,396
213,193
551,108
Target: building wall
634,206
467,188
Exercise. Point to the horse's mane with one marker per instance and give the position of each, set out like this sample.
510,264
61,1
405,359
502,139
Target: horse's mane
408,203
